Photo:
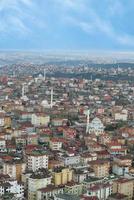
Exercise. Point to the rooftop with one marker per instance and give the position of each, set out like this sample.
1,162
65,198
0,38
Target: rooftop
67,197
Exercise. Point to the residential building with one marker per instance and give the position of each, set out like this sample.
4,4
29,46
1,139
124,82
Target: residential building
37,160
62,175
14,168
101,168
124,186
39,119
49,192
102,191
39,179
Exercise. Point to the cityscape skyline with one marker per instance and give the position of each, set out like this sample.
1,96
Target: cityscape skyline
66,100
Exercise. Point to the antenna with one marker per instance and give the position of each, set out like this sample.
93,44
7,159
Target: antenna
51,97
88,113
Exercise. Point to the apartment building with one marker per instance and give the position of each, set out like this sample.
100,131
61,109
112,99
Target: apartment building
37,160
14,168
62,175
39,179
101,168
124,186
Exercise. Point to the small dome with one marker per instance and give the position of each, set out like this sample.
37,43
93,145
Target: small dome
96,120
24,98
45,104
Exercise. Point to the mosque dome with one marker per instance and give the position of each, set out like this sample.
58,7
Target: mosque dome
45,104
96,126
24,98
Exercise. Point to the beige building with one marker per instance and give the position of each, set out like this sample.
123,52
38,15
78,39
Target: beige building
101,168
7,121
74,188
14,168
55,163
124,186
62,176
87,157
123,115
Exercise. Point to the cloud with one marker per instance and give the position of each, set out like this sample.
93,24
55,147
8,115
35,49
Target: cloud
23,18
94,22
17,16
27,2
11,18
18,25
115,8
73,4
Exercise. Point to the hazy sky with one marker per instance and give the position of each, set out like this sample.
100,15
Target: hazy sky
67,24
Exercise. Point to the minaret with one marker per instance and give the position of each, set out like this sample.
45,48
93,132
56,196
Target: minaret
88,113
44,74
23,90
14,75
118,68
6,98
51,97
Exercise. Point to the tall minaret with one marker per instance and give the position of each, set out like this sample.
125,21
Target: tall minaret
51,97
44,74
23,90
118,68
88,113
14,75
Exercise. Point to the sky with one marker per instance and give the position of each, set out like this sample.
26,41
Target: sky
91,25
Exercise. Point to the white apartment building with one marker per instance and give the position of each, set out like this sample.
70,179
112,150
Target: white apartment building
55,144
12,186
40,119
36,161
36,181
71,160
102,191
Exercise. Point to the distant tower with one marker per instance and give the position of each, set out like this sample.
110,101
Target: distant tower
23,90
44,74
51,97
6,98
88,113
14,75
